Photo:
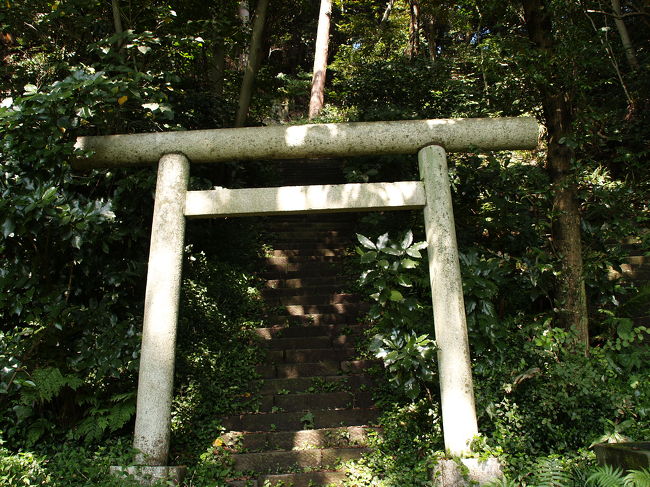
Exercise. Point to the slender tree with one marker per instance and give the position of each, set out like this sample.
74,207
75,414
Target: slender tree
317,98
254,59
624,35
558,107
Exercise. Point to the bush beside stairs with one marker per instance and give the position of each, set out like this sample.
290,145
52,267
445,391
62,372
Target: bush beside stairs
316,407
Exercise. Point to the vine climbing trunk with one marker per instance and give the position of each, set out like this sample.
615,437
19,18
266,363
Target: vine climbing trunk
317,98
558,113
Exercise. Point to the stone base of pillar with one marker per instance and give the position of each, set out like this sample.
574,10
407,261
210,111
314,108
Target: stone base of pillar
147,475
465,472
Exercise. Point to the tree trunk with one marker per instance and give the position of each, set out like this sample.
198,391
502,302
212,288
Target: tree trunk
218,65
387,11
430,31
558,112
320,59
117,21
625,37
414,29
254,58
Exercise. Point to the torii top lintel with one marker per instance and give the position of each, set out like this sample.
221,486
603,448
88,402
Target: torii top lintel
314,140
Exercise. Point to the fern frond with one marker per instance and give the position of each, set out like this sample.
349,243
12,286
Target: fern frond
606,476
637,478
552,474
501,482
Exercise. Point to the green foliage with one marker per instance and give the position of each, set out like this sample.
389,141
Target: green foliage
404,342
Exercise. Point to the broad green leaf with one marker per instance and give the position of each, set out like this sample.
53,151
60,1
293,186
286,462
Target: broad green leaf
366,242
407,240
415,253
391,251
395,295
405,281
419,246
369,257
409,264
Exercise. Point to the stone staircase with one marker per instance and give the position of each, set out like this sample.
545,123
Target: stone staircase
316,407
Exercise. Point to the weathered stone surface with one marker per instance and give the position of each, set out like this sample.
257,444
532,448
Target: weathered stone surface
148,475
456,387
303,141
627,456
405,195
156,375
449,474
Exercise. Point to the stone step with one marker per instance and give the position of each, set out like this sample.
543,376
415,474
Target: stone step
317,419
315,400
341,437
326,478
310,319
325,252
309,242
352,382
313,299
299,291
325,342
307,331
302,271
286,460
309,355
311,267
300,259
312,369
296,283
340,308
332,330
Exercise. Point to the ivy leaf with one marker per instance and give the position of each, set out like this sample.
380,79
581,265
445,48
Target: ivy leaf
122,100
366,242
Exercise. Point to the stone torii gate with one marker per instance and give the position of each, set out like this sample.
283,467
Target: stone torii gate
174,151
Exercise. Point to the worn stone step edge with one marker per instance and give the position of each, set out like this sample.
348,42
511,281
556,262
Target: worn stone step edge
305,331
315,252
313,299
300,331
298,385
301,343
307,355
341,437
323,368
315,401
301,259
319,290
311,319
276,461
338,308
304,479
290,421
334,280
